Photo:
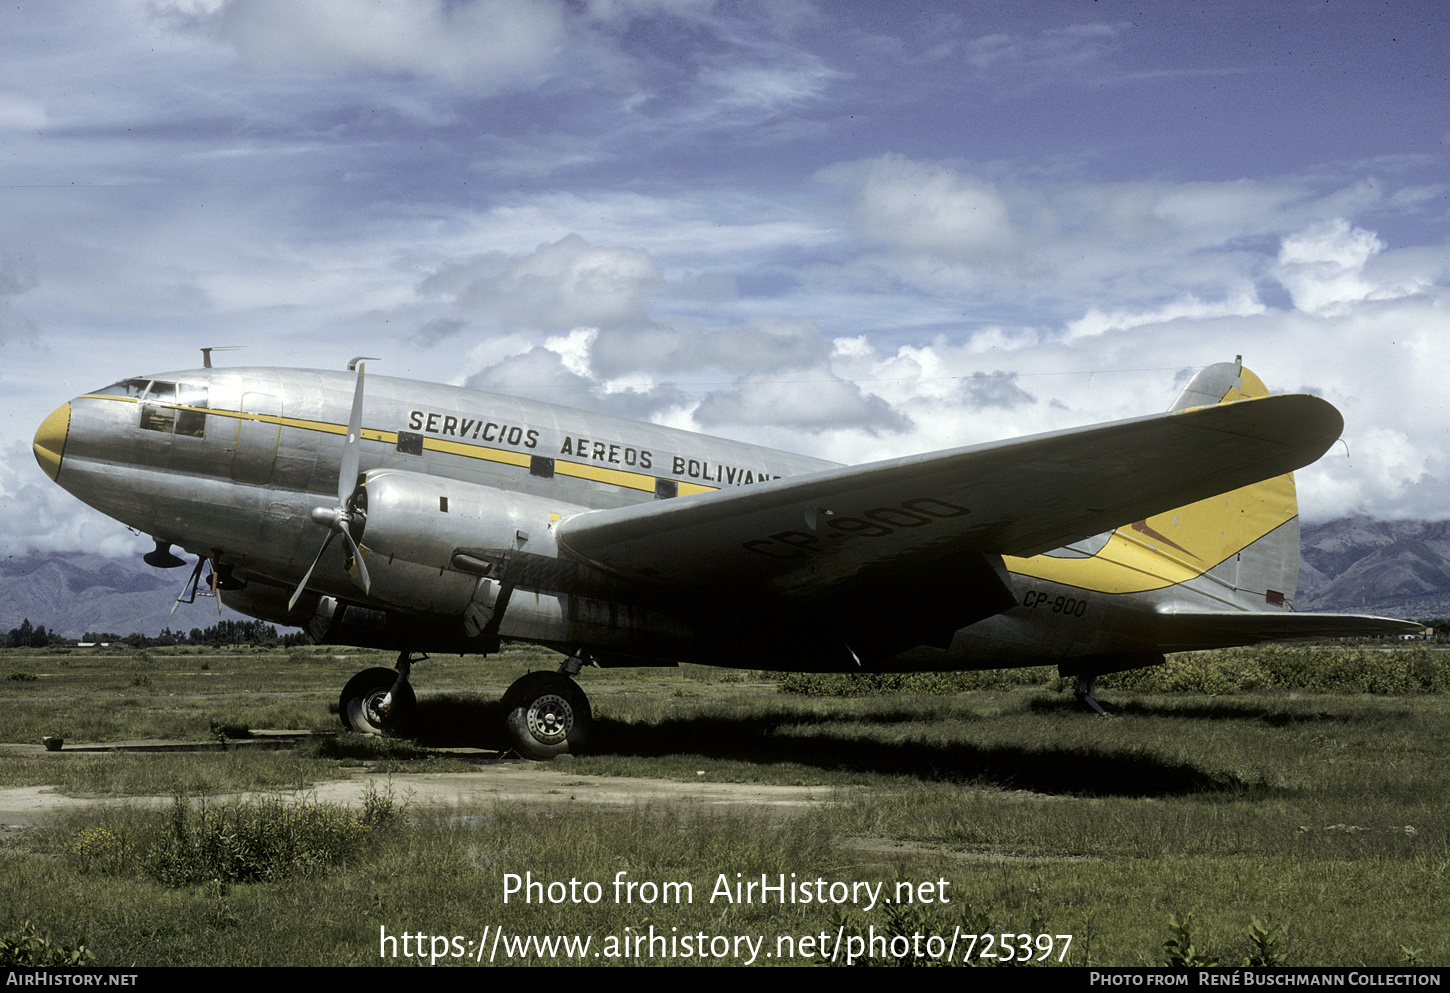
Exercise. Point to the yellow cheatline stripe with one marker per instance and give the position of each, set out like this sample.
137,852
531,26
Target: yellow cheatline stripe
617,477
578,470
468,451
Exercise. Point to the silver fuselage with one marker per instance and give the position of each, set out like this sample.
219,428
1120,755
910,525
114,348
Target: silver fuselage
465,490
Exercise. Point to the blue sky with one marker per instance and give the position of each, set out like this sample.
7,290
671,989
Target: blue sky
852,229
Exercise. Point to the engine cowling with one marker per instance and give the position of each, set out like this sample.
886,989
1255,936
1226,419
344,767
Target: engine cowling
458,566
416,526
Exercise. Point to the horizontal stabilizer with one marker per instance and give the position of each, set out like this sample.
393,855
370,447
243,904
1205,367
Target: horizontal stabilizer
1179,629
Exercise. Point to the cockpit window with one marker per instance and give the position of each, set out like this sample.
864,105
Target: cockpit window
161,392
173,408
125,388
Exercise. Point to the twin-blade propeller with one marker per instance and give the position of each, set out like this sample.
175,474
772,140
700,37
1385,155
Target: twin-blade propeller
339,519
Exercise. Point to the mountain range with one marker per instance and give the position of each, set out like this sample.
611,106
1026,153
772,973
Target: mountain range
1361,565
1353,564
73,593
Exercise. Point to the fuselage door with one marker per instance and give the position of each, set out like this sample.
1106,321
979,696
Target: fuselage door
258,433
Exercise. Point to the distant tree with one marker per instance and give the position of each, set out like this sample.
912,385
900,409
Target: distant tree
232,633
1440,625
26,636
20,637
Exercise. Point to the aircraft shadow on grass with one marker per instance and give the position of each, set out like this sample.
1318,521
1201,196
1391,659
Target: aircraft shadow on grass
757,738
1218,710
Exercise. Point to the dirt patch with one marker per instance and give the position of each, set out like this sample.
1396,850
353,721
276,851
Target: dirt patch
491,781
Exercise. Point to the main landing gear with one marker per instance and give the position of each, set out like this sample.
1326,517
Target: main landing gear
546,713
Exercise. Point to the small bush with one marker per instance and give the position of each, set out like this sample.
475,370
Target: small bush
254,841
1268,945
1322,669
1182,953
1370,668
97,849
26,946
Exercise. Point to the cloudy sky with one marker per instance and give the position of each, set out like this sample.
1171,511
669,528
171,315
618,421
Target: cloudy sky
854,229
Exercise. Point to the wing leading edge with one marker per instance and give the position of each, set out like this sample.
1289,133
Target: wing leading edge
806,535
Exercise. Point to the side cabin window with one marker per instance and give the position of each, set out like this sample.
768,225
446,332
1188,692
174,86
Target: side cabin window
191,403
170,408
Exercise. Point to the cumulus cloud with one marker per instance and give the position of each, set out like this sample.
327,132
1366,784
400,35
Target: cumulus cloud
1321,266
38,516
350,192
814,406
1371,470
995,389
921,207
1096,321
681,348
557,287
556,374
1017,244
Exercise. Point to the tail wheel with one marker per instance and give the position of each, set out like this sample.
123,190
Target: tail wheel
360,705
547,714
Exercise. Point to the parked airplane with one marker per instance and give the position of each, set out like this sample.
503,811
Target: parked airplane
467,518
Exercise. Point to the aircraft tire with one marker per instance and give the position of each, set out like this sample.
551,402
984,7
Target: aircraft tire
357,706
547,714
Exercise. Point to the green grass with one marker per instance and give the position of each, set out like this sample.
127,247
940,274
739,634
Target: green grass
125,774
1312,824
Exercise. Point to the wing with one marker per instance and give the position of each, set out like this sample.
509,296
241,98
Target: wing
811,534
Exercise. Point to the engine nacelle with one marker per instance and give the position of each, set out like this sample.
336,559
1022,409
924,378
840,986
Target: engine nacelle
417,525
460,566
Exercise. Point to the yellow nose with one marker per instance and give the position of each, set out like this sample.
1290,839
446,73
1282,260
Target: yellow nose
50,440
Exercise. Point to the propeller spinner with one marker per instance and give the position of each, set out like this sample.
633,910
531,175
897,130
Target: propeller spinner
350,513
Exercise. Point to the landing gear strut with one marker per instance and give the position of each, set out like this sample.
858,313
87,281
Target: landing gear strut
547,714
379,701
1084,691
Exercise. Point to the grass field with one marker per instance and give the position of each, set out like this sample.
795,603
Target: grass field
1280,824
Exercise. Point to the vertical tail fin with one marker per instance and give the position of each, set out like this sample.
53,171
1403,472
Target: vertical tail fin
1246,540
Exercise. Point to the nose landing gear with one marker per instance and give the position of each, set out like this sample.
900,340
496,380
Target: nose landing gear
379,701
